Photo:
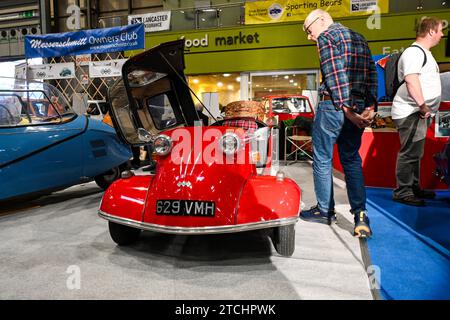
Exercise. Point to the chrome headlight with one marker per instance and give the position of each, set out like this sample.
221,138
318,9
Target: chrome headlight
229,143
162,145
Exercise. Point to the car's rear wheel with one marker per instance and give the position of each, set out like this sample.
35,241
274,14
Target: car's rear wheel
123,235
283,239
104,180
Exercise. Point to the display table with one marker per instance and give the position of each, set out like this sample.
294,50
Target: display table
379,150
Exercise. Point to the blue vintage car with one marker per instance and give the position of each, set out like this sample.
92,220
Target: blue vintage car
45,146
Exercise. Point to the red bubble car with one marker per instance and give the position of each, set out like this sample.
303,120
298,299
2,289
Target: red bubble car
212,179
288,106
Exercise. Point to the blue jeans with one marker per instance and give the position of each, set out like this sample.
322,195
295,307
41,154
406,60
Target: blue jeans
330,126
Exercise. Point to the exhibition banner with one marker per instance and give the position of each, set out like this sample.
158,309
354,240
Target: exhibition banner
107,68
52,71
296,10
106,40
157,21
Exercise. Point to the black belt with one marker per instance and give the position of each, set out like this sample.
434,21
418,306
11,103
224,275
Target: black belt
324,97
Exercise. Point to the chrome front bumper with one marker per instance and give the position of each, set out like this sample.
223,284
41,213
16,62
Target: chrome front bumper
198,230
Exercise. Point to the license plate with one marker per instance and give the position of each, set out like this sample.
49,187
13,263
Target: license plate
185,208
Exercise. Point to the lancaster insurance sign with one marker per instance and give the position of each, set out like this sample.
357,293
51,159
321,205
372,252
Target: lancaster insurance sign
106,40
157,21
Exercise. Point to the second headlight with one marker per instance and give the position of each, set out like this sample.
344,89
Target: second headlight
229,143
162,145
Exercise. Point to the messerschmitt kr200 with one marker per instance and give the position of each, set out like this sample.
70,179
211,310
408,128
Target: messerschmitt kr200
208,179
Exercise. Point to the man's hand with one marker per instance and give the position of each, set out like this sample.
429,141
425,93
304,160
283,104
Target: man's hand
368,114
424,111
356,119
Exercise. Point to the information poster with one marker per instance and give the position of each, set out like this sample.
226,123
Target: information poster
52,71
297,10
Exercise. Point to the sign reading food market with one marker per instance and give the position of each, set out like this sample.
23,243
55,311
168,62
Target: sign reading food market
297,10
106,40
157,21
237,39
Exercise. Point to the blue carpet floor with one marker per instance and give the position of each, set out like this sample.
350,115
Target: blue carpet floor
411,246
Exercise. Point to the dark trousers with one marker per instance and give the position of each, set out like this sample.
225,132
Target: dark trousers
412,131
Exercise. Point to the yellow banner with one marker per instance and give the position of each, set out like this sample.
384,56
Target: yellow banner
296,10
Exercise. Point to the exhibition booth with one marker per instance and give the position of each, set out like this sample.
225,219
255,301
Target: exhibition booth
380,147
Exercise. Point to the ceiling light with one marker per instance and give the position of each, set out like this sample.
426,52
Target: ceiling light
195,81
226,75
270,90
219,84
238,79
286,77
230,87
291,81
295,84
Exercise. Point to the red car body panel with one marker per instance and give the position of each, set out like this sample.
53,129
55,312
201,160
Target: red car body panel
208,181
125,198
264,198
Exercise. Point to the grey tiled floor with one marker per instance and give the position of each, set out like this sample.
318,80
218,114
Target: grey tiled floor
39,241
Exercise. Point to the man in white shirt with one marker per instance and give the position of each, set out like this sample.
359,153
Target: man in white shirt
414,105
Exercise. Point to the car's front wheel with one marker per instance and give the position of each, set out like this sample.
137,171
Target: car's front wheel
123,235
283,239
105,179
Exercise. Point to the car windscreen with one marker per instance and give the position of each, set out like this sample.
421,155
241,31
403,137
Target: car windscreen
30,107
157,103
161,111
290,105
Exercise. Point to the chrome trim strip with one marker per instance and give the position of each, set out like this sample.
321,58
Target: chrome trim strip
198,230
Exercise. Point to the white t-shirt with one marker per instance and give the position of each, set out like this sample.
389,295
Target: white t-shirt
411,62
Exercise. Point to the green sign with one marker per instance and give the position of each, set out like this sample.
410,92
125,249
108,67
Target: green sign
285,46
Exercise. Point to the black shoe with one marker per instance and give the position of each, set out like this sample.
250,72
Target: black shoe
362,226
424,194
314,214
409,200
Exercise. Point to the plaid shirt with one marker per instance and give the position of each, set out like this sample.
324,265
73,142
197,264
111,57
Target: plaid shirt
347,66
249,126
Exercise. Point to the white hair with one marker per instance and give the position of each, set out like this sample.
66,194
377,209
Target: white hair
317,13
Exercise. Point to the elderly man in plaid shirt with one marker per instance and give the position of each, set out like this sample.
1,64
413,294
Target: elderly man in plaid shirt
348,96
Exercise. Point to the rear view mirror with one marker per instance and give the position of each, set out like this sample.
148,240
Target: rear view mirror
144,135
